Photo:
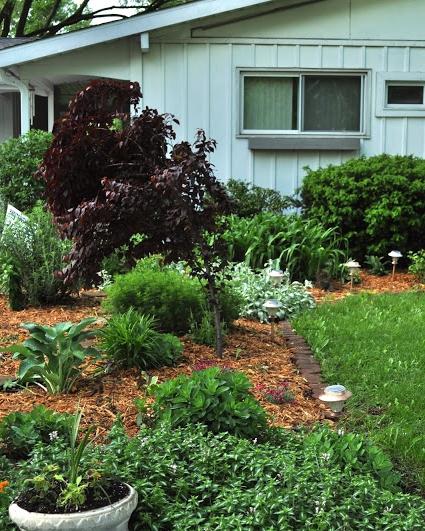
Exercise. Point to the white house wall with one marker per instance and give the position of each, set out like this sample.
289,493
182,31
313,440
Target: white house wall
197,83
192,74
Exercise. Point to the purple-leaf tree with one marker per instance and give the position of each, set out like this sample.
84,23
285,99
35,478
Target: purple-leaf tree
109,177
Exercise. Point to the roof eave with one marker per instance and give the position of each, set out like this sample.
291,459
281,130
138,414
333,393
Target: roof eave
24,53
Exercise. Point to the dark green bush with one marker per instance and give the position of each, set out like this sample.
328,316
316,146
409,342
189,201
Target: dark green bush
378,203
30,255
166,294
130,340
19,159
250,200
219,399
20,432
304,247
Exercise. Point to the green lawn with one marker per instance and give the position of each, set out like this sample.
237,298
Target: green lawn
375,346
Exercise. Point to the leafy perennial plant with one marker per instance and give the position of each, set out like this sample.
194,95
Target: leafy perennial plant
53,355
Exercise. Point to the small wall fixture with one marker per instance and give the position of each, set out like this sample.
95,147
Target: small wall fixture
335,396
276,277
352,267
272,307
394,255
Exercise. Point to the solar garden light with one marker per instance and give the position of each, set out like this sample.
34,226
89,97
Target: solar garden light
335,396
276,277
394,255
272,307
352,267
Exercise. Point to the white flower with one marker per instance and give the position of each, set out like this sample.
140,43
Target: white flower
255,440
53,435
143,441
173,468
326,456
341,431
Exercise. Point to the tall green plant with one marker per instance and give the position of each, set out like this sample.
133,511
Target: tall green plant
304,247
30,255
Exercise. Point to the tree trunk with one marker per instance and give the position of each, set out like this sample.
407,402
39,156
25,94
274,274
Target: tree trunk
215,305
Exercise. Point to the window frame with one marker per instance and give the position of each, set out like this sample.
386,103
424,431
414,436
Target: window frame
398,110
400,106
301,74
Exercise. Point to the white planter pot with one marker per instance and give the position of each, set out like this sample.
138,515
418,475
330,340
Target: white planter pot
113,517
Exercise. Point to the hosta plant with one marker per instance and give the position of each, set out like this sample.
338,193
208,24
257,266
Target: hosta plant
255,288
52,357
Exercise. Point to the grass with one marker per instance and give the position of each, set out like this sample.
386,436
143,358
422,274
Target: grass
375,346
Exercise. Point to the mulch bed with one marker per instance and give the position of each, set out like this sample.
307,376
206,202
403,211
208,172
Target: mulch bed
249,349
370,283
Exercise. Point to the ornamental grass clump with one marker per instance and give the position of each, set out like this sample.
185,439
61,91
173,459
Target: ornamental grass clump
131,340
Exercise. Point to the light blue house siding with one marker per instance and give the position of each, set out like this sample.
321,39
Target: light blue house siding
195,69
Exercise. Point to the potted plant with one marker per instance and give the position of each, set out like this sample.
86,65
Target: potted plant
74,496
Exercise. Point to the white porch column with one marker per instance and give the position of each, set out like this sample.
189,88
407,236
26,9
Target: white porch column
50,109
25,108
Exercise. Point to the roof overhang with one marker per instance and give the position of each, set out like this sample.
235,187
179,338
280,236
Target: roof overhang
120,29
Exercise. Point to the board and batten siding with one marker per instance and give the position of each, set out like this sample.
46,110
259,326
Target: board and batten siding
197,82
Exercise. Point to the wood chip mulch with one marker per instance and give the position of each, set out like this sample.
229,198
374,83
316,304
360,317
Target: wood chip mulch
249,348
370,283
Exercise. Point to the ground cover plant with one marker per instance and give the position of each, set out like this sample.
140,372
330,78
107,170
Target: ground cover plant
254,289
303,479
305,248
373,344
378,203
19,159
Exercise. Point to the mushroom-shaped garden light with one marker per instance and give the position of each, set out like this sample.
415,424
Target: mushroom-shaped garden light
352,267
272,307
335,396
394,255
276,277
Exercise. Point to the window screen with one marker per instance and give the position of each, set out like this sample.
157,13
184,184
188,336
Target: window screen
332,103
270,103
405,95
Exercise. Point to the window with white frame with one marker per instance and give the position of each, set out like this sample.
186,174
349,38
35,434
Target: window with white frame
277,102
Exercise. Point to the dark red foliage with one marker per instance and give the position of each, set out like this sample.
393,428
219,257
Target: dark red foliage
105,183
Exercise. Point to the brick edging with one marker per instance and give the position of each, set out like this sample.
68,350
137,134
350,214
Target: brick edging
303,357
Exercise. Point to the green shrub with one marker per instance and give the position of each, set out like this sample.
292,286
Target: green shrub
250,200
170,296
253,289
130,340
52,357
378,203
203,331
219,399
19,159
30,255
417,267
20,432
305,248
